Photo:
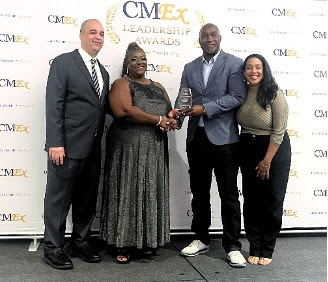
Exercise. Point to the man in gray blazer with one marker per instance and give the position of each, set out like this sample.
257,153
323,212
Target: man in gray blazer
217,86
76,102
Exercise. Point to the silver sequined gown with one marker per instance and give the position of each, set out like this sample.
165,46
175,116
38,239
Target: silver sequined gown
135,210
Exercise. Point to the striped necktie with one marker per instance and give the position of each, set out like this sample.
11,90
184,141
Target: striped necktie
95,77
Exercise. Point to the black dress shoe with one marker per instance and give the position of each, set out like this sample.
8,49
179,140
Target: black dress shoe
85,252
58,260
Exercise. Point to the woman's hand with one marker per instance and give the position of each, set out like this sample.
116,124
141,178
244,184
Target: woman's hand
263,170
174,113
168,124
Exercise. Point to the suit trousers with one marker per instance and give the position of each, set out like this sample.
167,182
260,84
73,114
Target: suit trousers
263,199
203,158
73,183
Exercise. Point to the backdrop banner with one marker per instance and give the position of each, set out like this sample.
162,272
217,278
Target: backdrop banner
291,34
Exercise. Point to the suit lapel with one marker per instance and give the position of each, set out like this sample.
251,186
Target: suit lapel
105,78
217,66
83,68
199,70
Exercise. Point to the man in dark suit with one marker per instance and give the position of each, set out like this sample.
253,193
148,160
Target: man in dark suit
76,101
217,86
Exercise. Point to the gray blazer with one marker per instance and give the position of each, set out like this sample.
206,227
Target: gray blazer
75,115
224,92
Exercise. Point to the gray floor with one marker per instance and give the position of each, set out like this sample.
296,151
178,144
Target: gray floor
302,258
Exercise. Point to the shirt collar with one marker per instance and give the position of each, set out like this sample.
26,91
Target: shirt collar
85,56
212,59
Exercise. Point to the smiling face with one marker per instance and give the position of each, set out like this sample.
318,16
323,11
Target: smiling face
253,72
137,64
92,37
209,40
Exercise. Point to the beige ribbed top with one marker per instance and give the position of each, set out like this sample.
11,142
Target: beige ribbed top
255,120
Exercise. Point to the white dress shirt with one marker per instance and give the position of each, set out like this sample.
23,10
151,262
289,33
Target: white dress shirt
87,60
207,68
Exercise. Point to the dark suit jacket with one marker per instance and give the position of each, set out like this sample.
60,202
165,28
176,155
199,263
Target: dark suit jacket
75,115
224,92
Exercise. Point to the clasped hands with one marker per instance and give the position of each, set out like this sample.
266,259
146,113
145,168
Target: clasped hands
168,123
194,111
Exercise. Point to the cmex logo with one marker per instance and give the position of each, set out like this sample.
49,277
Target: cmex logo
320,153
13,172
20,128
319,34
290,213
243,30
320,113
5,82
12,217
290,92
13,38
158,11
159,68
320,193
320,74
285,53
293,133
283,12
62,20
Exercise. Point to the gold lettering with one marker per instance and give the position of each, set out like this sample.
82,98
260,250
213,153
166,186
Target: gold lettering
165,11
22,128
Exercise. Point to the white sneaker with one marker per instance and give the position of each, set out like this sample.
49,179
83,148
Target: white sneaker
236,259
195,248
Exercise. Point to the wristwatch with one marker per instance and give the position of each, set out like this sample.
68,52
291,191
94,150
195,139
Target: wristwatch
204,111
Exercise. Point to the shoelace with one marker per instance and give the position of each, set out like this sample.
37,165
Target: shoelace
234,254
193,243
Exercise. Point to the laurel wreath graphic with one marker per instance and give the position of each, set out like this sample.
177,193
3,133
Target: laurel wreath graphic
202,22
113,37
200,17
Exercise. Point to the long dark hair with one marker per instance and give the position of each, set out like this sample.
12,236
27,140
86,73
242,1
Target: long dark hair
268,86
131,47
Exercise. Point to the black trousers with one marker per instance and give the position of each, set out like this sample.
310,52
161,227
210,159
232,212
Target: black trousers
203,158
263,199
73,183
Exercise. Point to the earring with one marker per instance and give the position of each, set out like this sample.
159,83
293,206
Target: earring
245,80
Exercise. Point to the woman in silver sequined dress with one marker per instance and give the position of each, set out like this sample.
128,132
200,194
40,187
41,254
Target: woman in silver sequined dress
135,210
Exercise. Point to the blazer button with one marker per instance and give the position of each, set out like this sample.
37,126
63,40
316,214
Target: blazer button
253,136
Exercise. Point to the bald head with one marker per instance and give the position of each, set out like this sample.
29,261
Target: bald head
92,36
86,23
208,25
209,40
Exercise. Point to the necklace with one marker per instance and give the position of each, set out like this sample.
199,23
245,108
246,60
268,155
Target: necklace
137,81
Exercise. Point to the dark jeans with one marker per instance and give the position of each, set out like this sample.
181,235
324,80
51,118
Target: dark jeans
263,199
203,157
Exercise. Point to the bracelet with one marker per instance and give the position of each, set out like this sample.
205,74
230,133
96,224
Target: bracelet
160,120
264,165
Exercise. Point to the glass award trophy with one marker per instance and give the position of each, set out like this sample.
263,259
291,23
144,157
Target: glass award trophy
184,99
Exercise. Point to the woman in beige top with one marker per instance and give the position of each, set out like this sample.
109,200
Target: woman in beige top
265,158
